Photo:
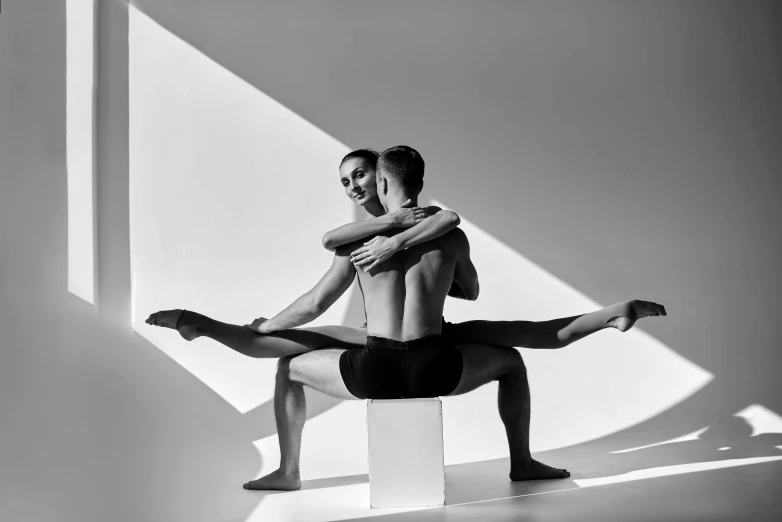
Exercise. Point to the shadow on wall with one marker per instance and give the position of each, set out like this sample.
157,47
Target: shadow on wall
104,427
531,94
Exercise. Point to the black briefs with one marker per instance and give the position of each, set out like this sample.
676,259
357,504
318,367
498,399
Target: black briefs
388,369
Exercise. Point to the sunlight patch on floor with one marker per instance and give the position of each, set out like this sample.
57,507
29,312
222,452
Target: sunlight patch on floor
695,435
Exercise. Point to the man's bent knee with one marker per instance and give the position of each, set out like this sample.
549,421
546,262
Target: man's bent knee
516,363
284,366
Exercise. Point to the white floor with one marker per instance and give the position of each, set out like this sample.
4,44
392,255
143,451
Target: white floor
729,470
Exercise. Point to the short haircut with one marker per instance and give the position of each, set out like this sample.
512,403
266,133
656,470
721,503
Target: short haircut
368,155
403,164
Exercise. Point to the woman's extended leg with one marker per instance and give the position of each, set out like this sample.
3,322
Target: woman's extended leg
556,333
192,325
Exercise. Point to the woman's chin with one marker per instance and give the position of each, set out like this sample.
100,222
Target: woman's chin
363,202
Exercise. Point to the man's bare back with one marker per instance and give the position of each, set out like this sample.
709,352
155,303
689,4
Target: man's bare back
404,297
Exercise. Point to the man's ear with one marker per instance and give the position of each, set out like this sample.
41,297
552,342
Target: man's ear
383,185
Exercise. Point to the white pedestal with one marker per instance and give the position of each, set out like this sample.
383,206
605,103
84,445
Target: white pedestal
406,453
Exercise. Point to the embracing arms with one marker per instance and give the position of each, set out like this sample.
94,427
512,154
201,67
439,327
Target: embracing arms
403,217
381,248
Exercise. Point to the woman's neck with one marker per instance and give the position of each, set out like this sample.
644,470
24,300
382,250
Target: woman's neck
374,209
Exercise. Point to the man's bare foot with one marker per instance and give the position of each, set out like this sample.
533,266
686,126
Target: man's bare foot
536,471
276,480
631,311
179,320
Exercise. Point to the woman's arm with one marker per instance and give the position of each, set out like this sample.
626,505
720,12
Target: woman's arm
440,222
404,216
358,230
311,305
381,248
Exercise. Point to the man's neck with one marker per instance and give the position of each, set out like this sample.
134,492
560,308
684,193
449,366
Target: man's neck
394,201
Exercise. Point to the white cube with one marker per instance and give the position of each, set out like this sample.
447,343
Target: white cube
406,467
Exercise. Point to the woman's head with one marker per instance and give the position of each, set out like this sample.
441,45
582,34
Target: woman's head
357,175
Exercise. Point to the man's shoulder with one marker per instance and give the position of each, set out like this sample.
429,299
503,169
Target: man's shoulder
432,209
457,235
457,241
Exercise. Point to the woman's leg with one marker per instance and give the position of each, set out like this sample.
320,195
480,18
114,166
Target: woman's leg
556,333
192,325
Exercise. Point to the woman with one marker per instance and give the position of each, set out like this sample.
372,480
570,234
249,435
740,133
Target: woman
357,176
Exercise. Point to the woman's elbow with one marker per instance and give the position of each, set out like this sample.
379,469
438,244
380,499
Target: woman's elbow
328,243
453,218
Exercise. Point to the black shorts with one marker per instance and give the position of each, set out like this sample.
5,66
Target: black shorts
388,369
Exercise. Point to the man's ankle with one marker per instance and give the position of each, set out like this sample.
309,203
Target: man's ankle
289,469
522,461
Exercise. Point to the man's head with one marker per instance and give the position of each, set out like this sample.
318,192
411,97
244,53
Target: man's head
357,176
400,173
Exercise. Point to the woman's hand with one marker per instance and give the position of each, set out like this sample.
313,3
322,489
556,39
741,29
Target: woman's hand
258,326
407,216
374,252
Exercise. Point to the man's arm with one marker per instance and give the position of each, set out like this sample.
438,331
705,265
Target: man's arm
404,216
381,248
456,291
311,305
465,276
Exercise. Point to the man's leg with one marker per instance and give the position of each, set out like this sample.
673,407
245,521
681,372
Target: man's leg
483,364
192,325
319,370
556,333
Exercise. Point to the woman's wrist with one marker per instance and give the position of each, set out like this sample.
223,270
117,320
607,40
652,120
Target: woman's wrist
390,220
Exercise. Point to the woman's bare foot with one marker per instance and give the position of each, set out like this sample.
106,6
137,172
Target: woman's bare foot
535,470
631,311
276,480
180,320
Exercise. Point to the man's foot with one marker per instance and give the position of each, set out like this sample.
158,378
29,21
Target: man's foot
276,480
180,320
536,471
631,311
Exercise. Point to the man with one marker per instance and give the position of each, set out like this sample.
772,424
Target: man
405,355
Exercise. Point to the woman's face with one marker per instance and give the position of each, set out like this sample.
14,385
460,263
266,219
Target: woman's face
358,179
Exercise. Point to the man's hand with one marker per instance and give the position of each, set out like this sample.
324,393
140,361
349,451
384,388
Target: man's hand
374,252
407,216
259,325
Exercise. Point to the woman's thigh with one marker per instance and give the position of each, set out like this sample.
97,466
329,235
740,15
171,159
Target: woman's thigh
483,364
509,334
320,370
302,340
